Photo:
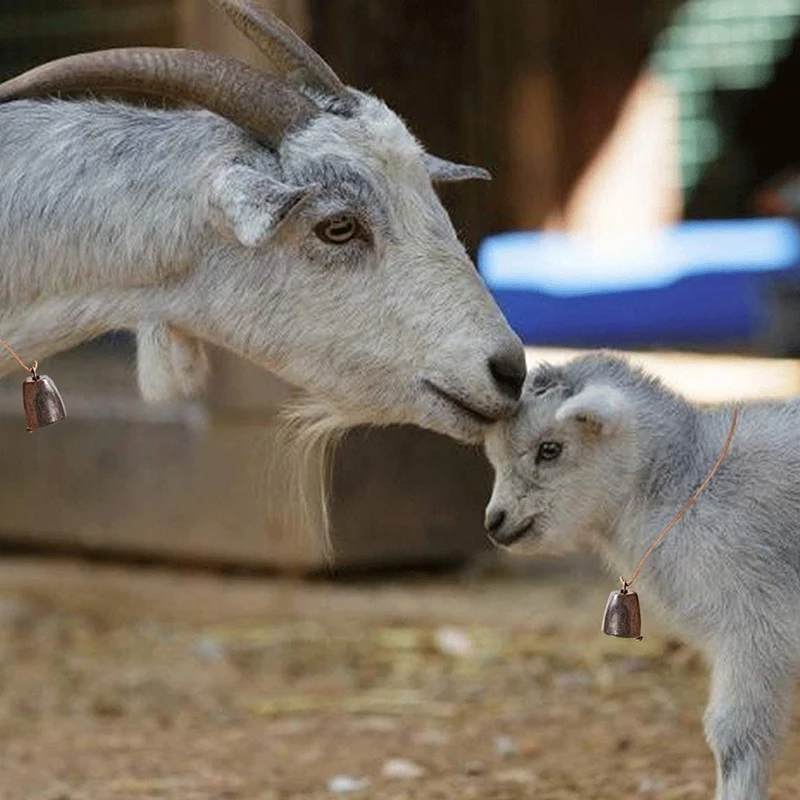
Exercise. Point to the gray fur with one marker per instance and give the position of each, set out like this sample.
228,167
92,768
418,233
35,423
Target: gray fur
727,576
167,221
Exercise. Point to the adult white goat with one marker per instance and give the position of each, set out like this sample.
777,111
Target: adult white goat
292,221
603,454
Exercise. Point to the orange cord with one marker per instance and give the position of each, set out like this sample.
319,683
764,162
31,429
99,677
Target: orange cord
19,360
626,584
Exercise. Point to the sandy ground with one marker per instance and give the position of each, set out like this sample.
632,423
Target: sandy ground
123,684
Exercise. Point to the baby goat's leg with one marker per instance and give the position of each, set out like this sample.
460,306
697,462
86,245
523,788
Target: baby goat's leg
751,691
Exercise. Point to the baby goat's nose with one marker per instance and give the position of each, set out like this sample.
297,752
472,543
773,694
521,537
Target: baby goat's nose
508,370
494,520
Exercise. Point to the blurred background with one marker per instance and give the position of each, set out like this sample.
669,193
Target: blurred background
156,639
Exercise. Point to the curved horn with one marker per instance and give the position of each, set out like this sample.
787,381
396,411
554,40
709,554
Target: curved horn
282,46
263,105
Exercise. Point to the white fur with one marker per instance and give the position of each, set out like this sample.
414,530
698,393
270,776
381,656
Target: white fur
602,406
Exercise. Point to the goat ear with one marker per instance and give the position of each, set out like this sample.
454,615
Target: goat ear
169,363
441,171
600,409
255,204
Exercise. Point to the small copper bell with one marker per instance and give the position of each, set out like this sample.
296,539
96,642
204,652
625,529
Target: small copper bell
42,401
622,617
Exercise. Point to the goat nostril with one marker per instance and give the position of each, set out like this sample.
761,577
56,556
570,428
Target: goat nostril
494,520
508,370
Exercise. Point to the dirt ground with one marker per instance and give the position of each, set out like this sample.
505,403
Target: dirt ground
129,683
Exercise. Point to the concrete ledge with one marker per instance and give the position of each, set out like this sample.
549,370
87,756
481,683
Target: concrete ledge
188,483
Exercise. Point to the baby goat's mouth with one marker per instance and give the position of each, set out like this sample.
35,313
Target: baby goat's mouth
508,535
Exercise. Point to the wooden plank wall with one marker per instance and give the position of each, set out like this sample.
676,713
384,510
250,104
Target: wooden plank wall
32,31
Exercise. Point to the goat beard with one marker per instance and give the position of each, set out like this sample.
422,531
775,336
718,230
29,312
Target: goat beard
308,434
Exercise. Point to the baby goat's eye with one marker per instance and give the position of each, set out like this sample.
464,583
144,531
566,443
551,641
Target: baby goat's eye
548,451
338,230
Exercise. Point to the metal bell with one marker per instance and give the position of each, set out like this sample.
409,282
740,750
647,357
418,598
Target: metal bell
622,617
42,401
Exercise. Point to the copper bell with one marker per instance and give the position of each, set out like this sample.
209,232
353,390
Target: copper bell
622,617
43,403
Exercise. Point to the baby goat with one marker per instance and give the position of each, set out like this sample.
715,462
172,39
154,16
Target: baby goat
600,452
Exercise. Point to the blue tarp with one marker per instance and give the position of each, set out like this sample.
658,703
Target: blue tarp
698,283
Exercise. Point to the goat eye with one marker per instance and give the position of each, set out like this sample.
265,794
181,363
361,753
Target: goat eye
337,230
548,451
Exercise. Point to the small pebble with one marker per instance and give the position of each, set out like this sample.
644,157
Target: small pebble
530,747
209,649
454,642
346,784
505,746
402,769
651,786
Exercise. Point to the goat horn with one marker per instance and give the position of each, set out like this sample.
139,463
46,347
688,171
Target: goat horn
282,46
264,105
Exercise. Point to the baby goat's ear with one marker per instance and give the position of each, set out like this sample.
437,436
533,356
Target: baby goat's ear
602,409
441,171
254,203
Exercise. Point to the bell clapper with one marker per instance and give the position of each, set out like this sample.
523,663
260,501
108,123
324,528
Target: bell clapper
40,397
622,616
